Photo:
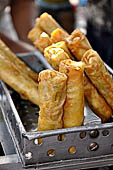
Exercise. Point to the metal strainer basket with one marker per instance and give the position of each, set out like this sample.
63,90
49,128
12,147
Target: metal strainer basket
68,148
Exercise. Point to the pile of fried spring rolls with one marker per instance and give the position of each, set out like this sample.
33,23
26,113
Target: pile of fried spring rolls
17,75
75,47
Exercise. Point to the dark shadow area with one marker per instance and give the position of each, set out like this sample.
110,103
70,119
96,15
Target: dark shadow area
1,150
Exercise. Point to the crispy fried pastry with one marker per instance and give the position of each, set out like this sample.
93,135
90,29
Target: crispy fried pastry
54,55
98,74
9,55
35,32
48,23
78,44
15,78
58,35
43,42
74,104
52,94
62,44
96,101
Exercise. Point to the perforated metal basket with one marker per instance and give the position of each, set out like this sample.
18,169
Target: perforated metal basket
65,148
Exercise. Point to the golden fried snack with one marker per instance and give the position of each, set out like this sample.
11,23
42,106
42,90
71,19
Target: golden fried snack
58,35
54,55
78,44
52,94
96,102
43,42
98,74
20,82
62,44
35,32
8,54
74,104
48,23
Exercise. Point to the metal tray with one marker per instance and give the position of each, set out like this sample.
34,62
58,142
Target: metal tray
82,145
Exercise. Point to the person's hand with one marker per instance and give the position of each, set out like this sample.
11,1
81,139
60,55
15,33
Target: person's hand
23,13
16,46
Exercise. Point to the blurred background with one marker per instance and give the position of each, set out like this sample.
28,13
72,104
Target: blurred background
93,17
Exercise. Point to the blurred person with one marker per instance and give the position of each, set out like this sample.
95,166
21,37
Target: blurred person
61,10
99,28
80,20
95,19
15,25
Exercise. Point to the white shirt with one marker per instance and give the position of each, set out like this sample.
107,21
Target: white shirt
3,4
6,25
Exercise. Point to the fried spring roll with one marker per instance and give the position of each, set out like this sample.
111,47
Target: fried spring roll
74,104
78,44
48,23
20,82
62,44
58,35
35,32
8,54
96,102
98,74
43,42
52,94
54,55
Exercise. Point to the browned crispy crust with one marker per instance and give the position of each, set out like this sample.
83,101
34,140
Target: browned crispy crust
52,94
35,32
58,35
54,55
98,74
74,104
43,42
9,55
20,82
96,101
78,43
48,23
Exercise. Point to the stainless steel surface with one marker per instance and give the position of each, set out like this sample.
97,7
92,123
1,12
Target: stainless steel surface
12,162
9,159
35,60
90,145
5,138
108,68
42,59
79,137
90,117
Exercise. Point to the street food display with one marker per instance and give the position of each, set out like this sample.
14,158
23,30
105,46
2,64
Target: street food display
78,75
78,45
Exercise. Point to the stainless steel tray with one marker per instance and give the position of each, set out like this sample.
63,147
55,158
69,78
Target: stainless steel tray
81,145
